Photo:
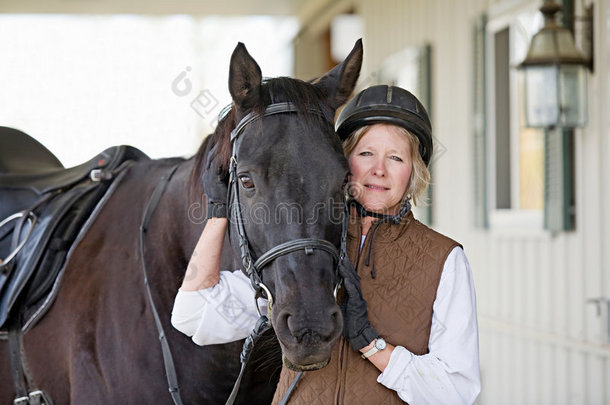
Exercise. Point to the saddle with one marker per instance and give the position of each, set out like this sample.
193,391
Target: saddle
43,208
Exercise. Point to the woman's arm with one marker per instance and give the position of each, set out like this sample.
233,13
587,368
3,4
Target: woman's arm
203,270
213,306
449,373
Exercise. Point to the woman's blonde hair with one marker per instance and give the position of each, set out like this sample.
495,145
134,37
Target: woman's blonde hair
420,176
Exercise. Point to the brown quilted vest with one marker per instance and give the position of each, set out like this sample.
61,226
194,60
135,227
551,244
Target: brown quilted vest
408,259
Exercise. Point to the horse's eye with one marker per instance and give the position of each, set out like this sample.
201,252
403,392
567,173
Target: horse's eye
246,182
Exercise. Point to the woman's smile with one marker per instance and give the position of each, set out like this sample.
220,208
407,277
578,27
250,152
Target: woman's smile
375,187
380,166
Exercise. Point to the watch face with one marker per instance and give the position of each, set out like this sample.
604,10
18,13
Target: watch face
380,344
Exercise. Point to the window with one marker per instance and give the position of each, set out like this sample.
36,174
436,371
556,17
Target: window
522,176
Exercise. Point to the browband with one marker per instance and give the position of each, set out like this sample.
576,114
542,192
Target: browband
272,109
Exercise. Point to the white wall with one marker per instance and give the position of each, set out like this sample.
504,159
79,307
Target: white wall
540,341
82,83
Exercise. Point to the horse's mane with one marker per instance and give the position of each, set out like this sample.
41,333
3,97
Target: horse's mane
220,137
280,89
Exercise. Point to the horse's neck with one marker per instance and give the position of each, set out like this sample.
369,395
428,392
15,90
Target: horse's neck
181,218
180,214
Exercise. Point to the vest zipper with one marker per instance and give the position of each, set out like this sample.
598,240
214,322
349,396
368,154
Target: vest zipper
361,245
344,343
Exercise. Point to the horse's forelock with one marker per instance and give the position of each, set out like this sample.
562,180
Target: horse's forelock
302,94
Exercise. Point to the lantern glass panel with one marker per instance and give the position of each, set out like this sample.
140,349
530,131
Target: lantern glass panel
572,96
542,101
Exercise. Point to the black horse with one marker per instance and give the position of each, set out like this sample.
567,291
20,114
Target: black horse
98,342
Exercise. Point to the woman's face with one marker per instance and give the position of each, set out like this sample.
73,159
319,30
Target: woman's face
380,167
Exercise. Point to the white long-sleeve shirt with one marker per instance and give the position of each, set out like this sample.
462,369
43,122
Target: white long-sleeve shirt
448,374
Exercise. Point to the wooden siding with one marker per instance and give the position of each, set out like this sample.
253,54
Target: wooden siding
541,342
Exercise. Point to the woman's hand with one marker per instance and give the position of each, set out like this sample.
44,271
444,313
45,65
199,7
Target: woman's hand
203,270
215,186
356,326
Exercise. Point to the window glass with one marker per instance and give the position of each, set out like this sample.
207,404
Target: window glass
531,169
530,151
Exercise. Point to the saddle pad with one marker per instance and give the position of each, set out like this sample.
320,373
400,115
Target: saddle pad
59,221
38,303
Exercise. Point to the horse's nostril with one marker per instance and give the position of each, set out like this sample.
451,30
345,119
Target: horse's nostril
301,331
289,321
300,334
337,317
309,337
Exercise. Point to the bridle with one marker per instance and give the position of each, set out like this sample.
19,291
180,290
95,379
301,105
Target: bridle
253,268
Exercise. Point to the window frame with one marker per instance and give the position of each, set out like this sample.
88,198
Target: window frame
507,218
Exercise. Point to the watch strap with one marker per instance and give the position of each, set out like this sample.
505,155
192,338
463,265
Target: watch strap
371,351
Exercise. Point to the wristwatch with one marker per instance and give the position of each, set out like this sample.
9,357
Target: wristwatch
379,345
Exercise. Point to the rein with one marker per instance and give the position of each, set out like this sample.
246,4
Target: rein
168,361
253,268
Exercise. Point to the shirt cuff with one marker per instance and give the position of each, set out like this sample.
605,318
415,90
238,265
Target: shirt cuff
185,301
222,313
393,373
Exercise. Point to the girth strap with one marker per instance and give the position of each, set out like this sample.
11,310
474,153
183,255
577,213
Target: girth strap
16,353
25,388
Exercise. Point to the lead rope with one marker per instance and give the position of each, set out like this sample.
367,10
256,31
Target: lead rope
168,361
262,325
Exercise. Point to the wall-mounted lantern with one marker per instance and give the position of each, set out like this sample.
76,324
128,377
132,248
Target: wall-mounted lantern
555,76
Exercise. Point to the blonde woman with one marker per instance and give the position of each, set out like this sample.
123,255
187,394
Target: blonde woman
408,302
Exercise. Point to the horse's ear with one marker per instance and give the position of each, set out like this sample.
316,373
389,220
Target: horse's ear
245,78
340,81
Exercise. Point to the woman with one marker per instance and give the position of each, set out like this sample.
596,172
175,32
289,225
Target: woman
409,307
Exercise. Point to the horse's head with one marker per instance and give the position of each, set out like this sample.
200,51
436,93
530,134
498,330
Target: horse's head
289,170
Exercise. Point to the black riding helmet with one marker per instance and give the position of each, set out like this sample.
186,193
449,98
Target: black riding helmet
384,104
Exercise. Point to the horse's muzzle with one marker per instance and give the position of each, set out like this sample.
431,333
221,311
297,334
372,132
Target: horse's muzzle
307,341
